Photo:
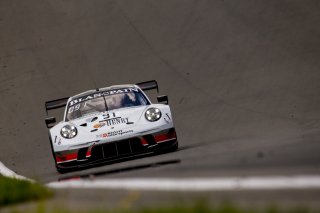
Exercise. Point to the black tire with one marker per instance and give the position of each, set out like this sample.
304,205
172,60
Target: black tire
62,170
172,148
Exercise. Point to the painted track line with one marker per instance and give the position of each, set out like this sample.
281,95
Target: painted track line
5,171
197,184
185,184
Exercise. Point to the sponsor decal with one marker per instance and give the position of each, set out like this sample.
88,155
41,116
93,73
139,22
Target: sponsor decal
111,122
100,94
114,133
110,119
169,119
115,121
57,140
104,135
99,125
168,116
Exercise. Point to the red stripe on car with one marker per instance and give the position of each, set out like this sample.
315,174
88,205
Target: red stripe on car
143,141
67,157
166,136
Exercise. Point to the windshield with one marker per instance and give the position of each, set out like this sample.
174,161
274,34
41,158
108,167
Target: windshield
105,101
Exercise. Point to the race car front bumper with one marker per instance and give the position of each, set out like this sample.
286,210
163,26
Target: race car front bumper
116,150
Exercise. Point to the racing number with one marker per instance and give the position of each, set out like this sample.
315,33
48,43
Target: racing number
76,107
107,116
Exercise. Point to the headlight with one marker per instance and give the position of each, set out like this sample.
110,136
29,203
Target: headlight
153,114
68,131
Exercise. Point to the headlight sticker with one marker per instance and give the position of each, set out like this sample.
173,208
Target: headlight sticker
153,114
68,131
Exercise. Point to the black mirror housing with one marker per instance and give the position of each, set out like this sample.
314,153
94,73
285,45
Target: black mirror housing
163,99
50,120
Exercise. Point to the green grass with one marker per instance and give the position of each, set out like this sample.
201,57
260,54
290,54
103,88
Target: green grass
16,191
203,208
196,208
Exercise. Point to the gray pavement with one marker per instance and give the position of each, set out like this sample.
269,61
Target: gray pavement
242,79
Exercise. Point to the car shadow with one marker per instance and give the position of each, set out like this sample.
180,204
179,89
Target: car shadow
120,170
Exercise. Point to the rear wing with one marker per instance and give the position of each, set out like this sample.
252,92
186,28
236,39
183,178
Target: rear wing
148,85
55,104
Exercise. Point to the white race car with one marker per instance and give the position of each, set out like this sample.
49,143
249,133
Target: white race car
109,124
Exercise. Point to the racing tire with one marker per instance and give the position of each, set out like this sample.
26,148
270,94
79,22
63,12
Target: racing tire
62,170
172,148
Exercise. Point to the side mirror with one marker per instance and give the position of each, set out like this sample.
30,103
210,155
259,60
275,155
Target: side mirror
50,120
163,99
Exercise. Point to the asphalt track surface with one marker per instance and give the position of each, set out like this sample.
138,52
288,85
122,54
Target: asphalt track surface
243,80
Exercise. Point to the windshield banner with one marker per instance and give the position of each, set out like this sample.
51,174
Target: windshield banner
100,94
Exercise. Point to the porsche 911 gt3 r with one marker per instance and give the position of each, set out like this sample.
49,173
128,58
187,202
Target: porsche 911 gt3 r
110,123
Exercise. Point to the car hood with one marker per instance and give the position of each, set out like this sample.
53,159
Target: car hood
114,119
110,126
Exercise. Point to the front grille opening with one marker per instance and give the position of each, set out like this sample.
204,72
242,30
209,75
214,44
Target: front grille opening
124,147
116,149
109,150
82,153
150,139
96,153
136,145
